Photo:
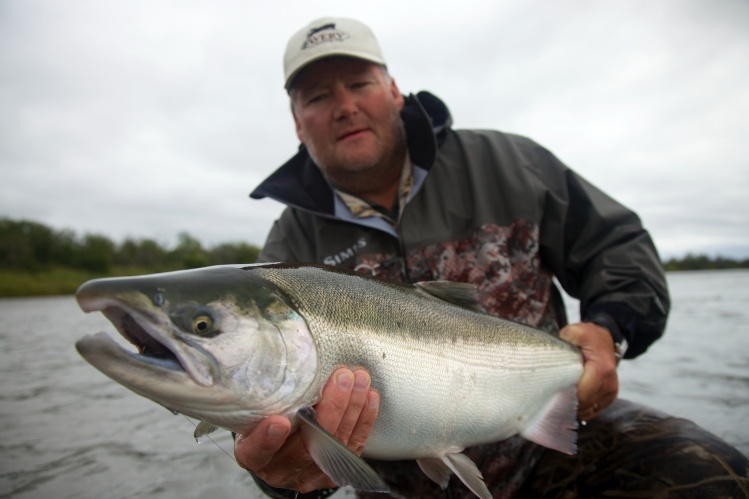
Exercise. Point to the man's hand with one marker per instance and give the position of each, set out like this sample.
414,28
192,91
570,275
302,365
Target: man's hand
347,410
599,384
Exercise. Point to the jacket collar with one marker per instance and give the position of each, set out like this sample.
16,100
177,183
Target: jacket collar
299,182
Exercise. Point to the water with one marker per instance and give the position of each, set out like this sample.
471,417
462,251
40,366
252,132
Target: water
699,369
68,431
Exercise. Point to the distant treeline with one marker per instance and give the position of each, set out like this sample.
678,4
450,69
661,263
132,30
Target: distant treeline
703,262
34,247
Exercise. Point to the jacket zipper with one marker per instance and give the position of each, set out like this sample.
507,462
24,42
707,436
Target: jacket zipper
403,255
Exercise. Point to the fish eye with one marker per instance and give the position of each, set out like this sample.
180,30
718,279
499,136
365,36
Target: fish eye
158,298
202,324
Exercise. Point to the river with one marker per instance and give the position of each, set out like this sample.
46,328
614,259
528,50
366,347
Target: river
67,431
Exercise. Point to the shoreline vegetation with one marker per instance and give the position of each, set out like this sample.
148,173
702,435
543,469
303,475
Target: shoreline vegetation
36,260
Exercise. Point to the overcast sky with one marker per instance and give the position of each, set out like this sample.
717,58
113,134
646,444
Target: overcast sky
147,118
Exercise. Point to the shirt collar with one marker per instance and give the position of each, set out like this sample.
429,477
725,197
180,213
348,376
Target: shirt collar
360,208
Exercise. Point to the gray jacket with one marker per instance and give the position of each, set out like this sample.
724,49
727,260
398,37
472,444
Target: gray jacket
493,209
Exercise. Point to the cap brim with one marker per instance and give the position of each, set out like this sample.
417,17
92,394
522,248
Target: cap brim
342,53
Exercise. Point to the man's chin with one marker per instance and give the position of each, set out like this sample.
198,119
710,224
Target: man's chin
357,160
353,169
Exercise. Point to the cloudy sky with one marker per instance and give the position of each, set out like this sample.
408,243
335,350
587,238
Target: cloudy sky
145,118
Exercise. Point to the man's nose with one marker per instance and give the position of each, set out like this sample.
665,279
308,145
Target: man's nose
345,104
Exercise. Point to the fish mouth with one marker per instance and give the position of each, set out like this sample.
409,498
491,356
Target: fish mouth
152,369
158,344
150,350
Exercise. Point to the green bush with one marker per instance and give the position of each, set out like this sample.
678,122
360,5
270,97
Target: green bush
35,259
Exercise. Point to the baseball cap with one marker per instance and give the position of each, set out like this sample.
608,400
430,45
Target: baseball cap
326,37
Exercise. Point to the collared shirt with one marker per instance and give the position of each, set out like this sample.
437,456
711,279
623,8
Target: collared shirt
361,208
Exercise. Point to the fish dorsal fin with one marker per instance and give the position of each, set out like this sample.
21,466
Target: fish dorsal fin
436,469
462,294
556,424
335,459
469,474
203,429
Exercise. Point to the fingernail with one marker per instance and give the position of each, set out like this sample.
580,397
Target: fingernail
239,439
373,400
362,383
276,431
345,380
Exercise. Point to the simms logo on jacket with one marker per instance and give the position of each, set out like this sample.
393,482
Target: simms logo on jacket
346,254
324,33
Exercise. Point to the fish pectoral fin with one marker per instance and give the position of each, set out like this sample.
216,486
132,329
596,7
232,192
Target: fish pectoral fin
462,294
469,474
203,428
436,469
556,424
335,459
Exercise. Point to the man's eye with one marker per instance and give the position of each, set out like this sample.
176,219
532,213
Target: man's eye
316,98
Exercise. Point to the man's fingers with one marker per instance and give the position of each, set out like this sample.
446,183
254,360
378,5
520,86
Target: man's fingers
347,409
596,390
599,384
357,402
335,399
366,420
255,450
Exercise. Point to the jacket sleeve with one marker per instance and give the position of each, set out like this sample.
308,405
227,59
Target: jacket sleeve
602,255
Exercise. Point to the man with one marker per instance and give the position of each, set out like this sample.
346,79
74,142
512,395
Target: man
383,184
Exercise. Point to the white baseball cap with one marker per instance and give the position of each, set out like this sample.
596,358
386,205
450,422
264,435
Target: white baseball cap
326,37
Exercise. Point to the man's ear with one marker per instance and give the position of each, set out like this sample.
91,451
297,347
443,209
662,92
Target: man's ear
400,101
298,127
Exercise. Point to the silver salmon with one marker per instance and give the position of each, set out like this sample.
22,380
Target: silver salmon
231,345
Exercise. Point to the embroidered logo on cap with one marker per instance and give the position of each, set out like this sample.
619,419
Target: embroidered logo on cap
323,34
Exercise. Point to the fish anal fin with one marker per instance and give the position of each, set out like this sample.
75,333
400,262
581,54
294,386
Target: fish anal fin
462,294
203,429
335,459
556,425
469,474
436,469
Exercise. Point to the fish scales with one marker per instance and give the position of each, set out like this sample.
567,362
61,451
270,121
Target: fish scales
453,361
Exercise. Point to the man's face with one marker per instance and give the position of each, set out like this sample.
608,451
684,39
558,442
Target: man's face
347,113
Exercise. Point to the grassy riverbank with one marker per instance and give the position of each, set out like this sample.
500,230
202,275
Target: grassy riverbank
57,281
36,260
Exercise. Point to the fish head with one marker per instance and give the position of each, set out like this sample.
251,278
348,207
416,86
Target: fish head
219,344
